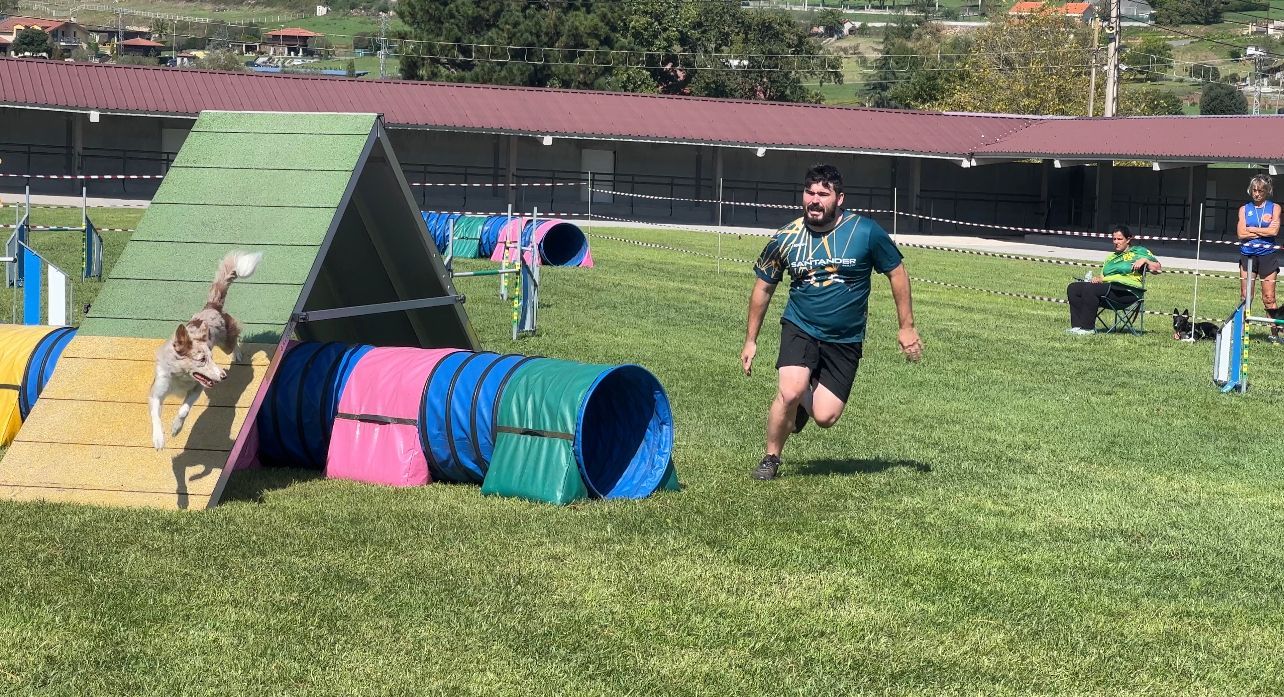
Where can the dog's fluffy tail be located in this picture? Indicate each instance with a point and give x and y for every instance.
(235, 265)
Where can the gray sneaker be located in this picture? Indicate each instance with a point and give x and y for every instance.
(767, 469)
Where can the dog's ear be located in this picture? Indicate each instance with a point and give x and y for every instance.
(182, 342)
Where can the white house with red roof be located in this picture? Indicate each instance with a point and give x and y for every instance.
(65, 35)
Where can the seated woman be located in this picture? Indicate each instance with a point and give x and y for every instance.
(1120, 281)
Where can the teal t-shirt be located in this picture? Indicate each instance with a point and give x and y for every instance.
(829, 272)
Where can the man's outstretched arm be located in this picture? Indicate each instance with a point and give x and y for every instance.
(907, 337)
(759, 299)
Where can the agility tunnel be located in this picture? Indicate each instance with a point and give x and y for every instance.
(28, 356)
(537, 428)
(560, 242)
(297, 416)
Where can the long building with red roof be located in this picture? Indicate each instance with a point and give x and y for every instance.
(1036, 170)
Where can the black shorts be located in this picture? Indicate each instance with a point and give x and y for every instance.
(1263, 265)
(832, 364)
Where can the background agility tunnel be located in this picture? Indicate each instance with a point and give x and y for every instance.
(560, 242)
(543, 429)
(28, 356)
(297, 416)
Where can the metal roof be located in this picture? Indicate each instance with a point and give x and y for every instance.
(292, 31)
(1158, 138)
(14, 21)
(639, 117)
(485, 108)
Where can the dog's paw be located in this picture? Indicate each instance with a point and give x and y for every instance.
(176, 427)
(158, 439)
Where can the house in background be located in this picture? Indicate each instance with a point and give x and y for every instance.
(1139, 10)
(141, 47)
(245, 48)
(65, 35)
(1079, 11)
(290, 42)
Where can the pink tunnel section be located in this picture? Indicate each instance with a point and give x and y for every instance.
(376, 434)
(512, 232)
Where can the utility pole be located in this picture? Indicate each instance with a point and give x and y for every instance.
(1255, 54)
(1092, 86)
(1114, 31)
(383, 44)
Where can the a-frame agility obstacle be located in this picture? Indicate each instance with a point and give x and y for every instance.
(346, 257)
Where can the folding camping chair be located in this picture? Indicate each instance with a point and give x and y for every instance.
(1124, 314)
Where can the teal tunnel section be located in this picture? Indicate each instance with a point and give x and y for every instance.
(567, 431)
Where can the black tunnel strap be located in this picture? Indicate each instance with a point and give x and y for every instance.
(377, 419)
(535, 432)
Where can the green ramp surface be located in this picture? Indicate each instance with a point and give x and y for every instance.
(322, 197)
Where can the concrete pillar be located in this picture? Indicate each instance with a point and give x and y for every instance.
(1045, 203)
(510, 179)
(915, 187)
(699, 173)
(494, 167)
(75, 143)
(1105, 192)
(1196, 193)
(717, 183)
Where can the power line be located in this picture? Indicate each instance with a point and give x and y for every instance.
(1175, 30)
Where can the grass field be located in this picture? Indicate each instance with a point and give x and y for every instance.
(1025, 512)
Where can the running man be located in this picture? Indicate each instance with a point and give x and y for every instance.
(829, 254)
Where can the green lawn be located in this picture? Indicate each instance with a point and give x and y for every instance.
(1025, 512)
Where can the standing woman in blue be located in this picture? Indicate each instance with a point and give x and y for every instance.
(1259, 223)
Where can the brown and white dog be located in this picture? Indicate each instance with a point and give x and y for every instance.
(185, 364)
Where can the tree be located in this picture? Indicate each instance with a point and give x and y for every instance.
(830, 19)
(1219, 98)
(221, 60)
(666, 46)
(1148, 102)
(894, 63)
(1188, 11)
(1032, 64)
(774, 56)
(160, 29)
(32, 42)
(8, 7)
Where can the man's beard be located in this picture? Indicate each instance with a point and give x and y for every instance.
(826, 217)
